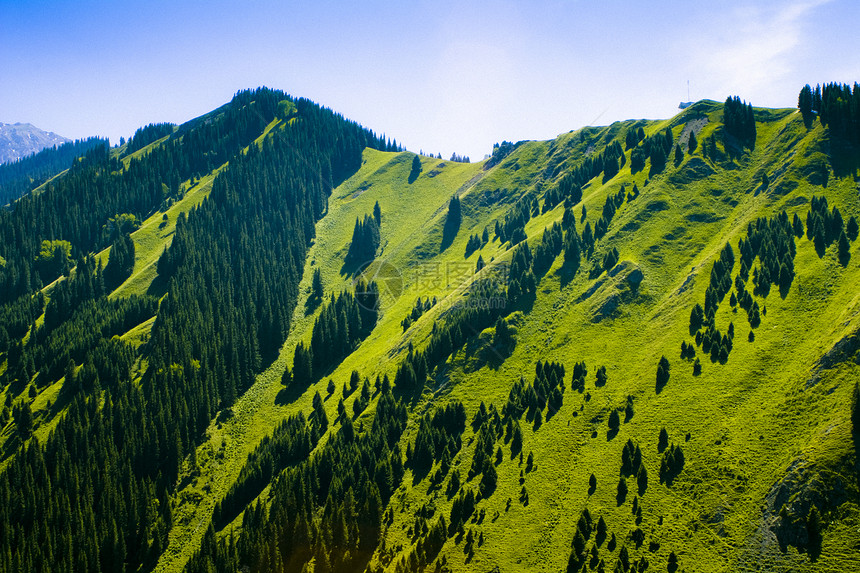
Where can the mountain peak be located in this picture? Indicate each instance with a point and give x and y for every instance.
(19, 140)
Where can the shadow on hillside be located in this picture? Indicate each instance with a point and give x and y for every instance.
(480, 352)
(158, 286)
(524, 303)
(566, 272)
(290, 394)
(844, 158)
(496, 354)
(784, 288)
(350, 268)
(621, 496)
(311, 304)
(418, 474)
(408, 396)
(449, 233)
(64, 398)
(11, 446)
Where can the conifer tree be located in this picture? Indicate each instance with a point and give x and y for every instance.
(614, 421)
(120, 261)
(672, 564)
(452, 222)
(416, 169)
(365, 241)
(377, 214)
(302, 365)
(502, 337)
(662, 373)
(804, 104)
(516, 440)
(621, 493)
(844, 249)
(642, 479)
(317, 289)
(658, 159)
(601, 377)
(23, 417)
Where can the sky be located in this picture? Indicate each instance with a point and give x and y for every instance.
(442, 77)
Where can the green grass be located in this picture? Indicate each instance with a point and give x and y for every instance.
(754, 406)
(748, 420)
(154, 234)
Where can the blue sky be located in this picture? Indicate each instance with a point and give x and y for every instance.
(439, 76)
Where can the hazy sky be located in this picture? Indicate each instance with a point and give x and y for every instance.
(439, 76)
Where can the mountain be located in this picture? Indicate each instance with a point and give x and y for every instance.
(272, 340)
(19, 140)
(27, 173)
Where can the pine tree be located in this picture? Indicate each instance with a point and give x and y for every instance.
(317, 289)
(377, 213)
(844, 249)
(416, 169)
(662, 373)
(658, 159)
(365, 241)
(621, 494)
(642, 479)
(23, 417)
(692, 143)
(601, 377)
(672, 564)
(70, 383)
(302, 369)
(679, 154)
(120, 261)
(697, 316)
(614, 421)
(452, 222)
(502, 337)
(804, 104)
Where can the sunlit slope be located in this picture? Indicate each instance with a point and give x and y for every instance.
(744, 425)
(409, 211)
(748, 420)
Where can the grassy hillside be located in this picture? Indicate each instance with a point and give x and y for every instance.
(745, 426)
(765, 431)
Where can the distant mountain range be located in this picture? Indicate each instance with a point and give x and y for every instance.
(19, 140)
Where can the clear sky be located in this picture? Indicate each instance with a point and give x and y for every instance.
(439, 76)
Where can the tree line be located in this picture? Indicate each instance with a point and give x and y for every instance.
(232, 271)
(27, 173)
(837, 106)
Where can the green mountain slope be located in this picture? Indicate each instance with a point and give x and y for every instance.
(758, 472)
(737, 422)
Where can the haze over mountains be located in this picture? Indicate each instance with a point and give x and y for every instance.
(19, 140)
(270, 339)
